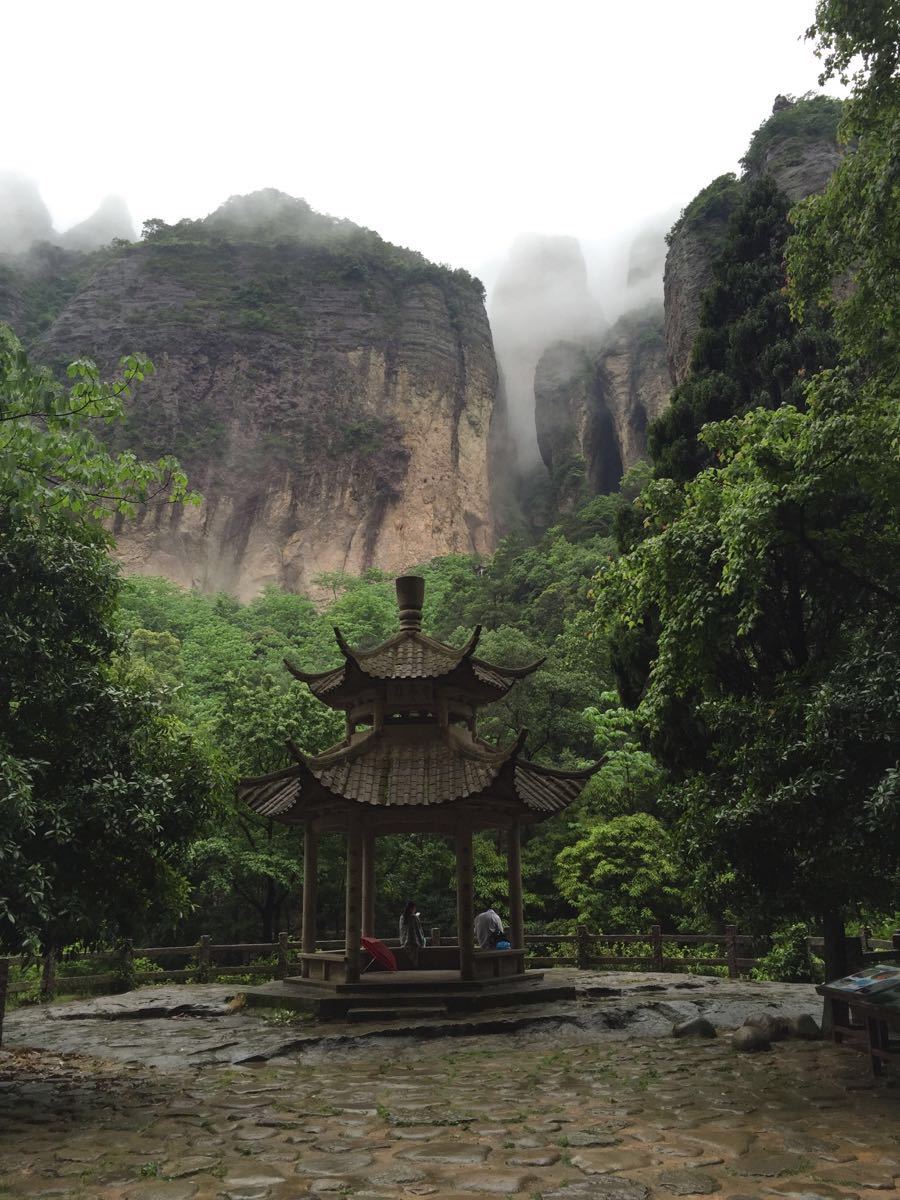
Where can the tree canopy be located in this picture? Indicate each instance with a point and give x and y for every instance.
(100, 784)
(764, 565)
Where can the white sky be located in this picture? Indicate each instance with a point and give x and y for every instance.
(447, 125)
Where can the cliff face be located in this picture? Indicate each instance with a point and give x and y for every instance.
(593, 404)
(797, 146)
(330, 396)
(694, 243)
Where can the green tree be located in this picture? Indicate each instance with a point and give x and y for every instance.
(244, 855)
(775, 580)
(844, 256)
(100, 784)
(50, 457)
(772, 574)
(630, 780)
(621, 875)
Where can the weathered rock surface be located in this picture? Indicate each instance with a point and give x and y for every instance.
(698, 1027)
(696, 239)
(801, 167)
(750, 1040)
(776, 1029)
(593, 405)
(330, 396)
(171, 1026)
(804, 1027)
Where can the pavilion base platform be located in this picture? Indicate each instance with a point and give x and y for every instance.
(407, 995)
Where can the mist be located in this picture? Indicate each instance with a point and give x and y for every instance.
(25, 220)
(465, 133)
(550, 288)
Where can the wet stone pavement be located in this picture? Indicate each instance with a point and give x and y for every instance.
(607, 1118)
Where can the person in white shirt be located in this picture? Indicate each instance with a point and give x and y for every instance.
(488, 929)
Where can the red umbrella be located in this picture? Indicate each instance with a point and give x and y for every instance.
(380, 952)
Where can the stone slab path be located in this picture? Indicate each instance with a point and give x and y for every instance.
(562, 1114)
(169, 1026)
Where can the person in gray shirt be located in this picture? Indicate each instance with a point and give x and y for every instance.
(488, 929)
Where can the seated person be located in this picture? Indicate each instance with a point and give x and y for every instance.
(412, 935)
(488, 929)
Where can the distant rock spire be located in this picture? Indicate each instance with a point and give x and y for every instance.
(24, 217)
(112, 219)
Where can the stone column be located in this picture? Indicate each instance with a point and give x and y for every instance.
(465, 902)
(310, 882)
(368, 883)
(353, 909)
(514, 874)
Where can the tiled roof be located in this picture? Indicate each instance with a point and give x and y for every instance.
(548, 791)
(386, 771)
(409, 654)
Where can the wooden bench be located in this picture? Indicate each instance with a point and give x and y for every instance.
(862, 1025)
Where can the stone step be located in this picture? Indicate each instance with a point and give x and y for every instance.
(403, 1012)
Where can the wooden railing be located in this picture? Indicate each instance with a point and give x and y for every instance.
(863, 950)
(662, 950)
(203, 959)
(655, 949)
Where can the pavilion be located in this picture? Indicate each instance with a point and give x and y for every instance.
(412, 761)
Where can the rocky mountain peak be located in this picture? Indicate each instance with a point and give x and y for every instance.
(330, 395)
(112, 219)
(24, 217)
(797, 145)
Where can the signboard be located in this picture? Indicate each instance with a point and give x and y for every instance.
(878, 984)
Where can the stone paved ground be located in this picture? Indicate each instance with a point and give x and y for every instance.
(207, 1031)
(602, 1118)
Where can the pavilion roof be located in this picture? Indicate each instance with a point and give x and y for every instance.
(407, 768)
(410, 655)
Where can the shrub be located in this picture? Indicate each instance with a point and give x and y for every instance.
(790, 959)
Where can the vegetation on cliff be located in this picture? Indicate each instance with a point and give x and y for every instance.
(748, 352)
(809, 119)
(344, 250)
(713, 203)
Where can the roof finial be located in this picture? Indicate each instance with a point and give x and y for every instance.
(410, 595)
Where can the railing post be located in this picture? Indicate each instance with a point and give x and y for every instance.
(855, 948)
(731, 951)
(125, 966)
(282, 954)
(435, 935)
(657, 948)
(48, 976)
(204, 958)
(583, 948)
(4, 984)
